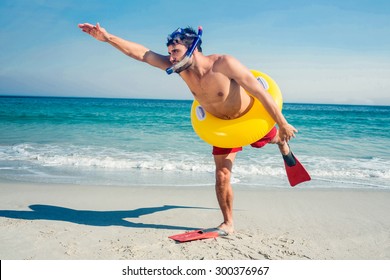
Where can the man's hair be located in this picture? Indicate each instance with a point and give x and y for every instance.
(185, 36)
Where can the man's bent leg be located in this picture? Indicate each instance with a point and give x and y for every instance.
(223, 188)
(283, 146)
(273, 138)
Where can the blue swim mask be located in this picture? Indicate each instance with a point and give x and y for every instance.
(180, 34)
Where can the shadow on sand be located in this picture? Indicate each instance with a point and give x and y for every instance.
(95, 218)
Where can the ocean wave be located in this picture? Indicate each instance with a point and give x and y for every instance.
(40, 158)
(106, 158)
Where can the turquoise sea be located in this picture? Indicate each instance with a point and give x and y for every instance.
(137, 142)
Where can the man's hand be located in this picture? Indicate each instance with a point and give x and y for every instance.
(286, 132)
(99, 33)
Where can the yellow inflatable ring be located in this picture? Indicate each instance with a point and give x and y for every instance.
(242, 131)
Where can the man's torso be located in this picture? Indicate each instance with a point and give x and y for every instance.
(218, 94)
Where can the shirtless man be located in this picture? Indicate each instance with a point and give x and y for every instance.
(219, 83)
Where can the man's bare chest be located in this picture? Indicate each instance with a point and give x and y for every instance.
(211, 88)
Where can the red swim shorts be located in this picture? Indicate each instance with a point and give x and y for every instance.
(258, 144)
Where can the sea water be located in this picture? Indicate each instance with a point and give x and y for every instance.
(139, 142)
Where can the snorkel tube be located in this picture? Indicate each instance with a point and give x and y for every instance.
(188, 54)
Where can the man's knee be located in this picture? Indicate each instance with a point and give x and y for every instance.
(222, 177)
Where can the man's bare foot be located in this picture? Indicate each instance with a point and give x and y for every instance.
(228, 228)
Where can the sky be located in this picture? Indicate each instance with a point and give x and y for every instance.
(334, 52)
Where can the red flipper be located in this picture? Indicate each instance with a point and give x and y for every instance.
(296, 173)
(198, 234)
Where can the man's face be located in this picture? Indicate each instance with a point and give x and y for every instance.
(176, 53)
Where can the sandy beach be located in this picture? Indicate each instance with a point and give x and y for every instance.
(61, 222)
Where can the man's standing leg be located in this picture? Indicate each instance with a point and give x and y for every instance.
(223, 188)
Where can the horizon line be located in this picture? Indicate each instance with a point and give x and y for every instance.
(168, 99)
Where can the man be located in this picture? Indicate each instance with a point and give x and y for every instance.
(219, 83)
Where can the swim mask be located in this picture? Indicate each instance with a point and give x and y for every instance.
(179, 35)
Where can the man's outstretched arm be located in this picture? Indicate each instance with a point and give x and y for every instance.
(132, 49)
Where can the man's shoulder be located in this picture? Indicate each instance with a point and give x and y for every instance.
(224, 61)
(221, 58)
